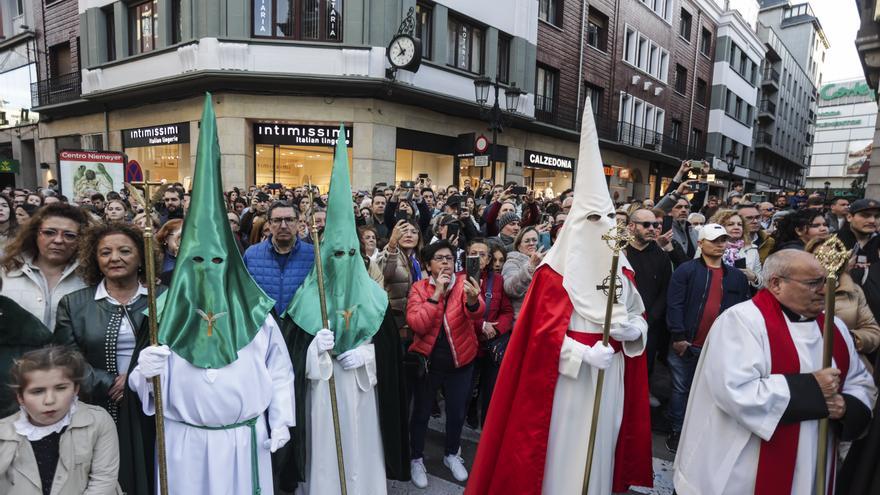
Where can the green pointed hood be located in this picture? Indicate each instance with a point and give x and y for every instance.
(210, 280)
(356, 304)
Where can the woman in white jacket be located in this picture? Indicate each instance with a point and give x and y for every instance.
(740, 252)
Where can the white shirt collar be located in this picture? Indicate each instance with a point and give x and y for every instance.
(25, 428)
(101, 293)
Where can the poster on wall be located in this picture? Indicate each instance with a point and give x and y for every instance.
(858, 156)
(84, 173)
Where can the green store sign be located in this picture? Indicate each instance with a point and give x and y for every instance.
(833, 91)
(839, 123)
(9, 165)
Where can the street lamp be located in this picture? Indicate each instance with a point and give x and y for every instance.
(827, 186)
(495, 116)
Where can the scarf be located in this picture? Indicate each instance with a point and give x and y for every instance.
(732, 251)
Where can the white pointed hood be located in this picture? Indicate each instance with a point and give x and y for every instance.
(579, 253)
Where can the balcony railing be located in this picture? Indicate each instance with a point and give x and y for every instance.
(767, 106)
(770, 75)
(765, 138)
(56, 90)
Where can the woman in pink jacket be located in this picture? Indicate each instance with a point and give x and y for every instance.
(441, 311)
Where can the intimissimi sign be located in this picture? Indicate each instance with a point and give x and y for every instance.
(300, 134)
(157, 135)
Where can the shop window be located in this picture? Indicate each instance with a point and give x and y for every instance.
(706, 42)
(547, 82)
(143, 24)
(465, 45)
(425, 28)
(503, 58)
(702, 92)
(312, 20)
(294, 166)
(597, 30)
(110, 31)
(412, 163)
(681, 75)
(548, 11)
(170, 162)
(684, 25)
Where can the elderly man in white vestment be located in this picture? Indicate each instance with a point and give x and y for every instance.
(752, 419)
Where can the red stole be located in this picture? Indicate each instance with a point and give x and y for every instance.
(778, 456)
(512, 452)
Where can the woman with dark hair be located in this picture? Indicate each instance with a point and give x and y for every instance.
(441, 311)
(168, 239)
(369, 236)
(498, 256)
(8, 222)
(24, 212)
(106, 323)
(795, 230)
(39, 266)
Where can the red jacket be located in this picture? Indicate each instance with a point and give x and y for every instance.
(424, 317)
(500, 308)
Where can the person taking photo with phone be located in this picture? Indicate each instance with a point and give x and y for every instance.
(520, 266)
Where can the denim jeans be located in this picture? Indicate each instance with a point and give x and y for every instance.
(682, 369)
(456, 383)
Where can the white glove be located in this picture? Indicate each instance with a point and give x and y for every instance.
(625, 332)
(351, 359)
(278, 438)
(153, 359)
(598, 356)
(325, 340)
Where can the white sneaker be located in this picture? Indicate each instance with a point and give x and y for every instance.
(418, 473)
(456, 464)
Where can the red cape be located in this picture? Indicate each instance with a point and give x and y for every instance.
(513, 446)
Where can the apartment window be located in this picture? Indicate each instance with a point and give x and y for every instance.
(312, 20)
(503, 58)
(675, 130)
(425, 28)
(176, 22)
(644, 47)
(664, 65)
(729, 101)
(464, 46)
(143, 24)
(684, 26)
(744, 65)
(110, 31)
(548, 11)
(630, 44)
(696, 138)
(597, 30)
(702, 92)
(645, 54)
(706, 42)
(731, 57)
(60, 60)
(19, 8)
(681, 75)
(596, 94)
(737, 111)
(662, 8)
(546, 84)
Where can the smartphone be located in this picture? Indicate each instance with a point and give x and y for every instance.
(400, 215)
(667, 224)
(740, 263)
(452, 230)
(423, 176)
(702, 186)
(407, 184)
(472, 267)
(519, 190)
(544, 240)
(381, 184)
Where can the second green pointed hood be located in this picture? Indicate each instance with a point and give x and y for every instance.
(356, 304)
(214, 307)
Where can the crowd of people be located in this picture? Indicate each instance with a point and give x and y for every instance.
(456, 264)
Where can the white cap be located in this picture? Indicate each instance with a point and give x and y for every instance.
(712, 231)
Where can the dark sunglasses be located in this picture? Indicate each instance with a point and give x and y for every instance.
(648, 225)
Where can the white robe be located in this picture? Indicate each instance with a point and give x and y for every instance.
(735, 403)
(573, 408)
(218, 462)
(358, 422)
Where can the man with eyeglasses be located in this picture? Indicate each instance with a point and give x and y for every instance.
(760, 389)
(699, 291)
(767, 210)
(760, 238)
(41, 265)
(281, 263)
(653, 269)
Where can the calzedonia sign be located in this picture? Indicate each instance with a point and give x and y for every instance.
(157, 135)
(538, 159)
(300, 134)
(834, 91)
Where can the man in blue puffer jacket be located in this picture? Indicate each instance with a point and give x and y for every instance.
(280, 263)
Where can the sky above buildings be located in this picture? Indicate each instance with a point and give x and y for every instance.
(840, 21)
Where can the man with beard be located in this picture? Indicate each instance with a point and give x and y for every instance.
(173, 201)
(259, 207)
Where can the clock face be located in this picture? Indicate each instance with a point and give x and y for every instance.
(401, 51)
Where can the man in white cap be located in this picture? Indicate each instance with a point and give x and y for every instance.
(760, 389)
(537, 430)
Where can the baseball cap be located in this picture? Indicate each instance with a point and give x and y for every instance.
(863, 204)
(712, 231)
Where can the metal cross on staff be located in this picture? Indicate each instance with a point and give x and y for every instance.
(154, 329)
(616, 238)
(832, 255)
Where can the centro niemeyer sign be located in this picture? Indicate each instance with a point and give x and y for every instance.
(834, 91)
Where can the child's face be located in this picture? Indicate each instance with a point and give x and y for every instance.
(47, 396)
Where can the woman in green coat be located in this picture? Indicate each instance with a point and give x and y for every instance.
(106, 323)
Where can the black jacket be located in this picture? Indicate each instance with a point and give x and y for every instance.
(687, 295)
(653, 271)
